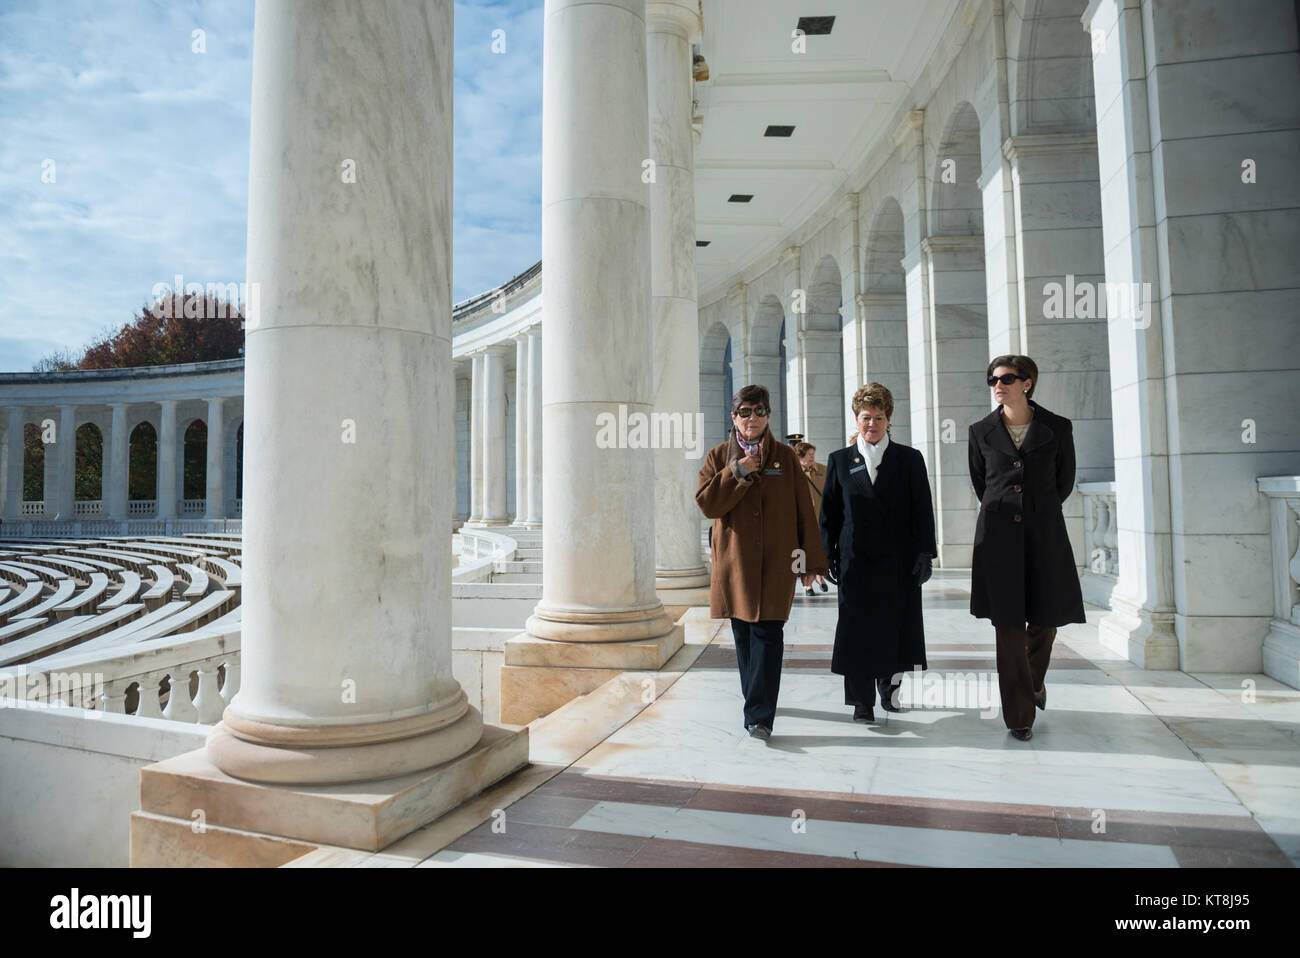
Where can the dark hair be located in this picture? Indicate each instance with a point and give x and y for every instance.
(751, 394)
(1021, 364)
(801, 448)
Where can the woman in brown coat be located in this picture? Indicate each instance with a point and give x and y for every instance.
(816, 474)
(764, 537)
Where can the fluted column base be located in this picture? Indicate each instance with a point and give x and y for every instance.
(673, 579)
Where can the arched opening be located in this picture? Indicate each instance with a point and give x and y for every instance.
(715, 383)
(33, 467)
(89, 476)
(768, 361)
(826, 424)
(142, 468)
(195, 484)
(884, 316)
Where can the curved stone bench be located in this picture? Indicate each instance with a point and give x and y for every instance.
(47, 574)
(62, 635)
(79, 570)
(86, 601)
(131, 585)
(26, 598)
(226, 572)
(62, 593)
(19, 628)
(163, 582)
(196, 579)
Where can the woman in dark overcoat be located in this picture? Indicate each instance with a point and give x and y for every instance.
(1023, 576)
(877, 526)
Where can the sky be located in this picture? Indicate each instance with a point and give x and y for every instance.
(124, 157)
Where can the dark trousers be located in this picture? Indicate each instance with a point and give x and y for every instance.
(1023, 656)
(861, 689)
(759, 647)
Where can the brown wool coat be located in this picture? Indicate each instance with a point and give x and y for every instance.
(758, 523)
(816, 480)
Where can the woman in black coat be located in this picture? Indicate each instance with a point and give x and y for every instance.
(1023, 576)
(877, 526)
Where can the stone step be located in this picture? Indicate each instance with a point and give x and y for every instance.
(526, 565)
(533, 577)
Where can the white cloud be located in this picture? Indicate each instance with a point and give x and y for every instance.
(150, 146)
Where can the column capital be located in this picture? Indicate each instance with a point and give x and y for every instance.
(168, 403)
(676, 16)
(497, 349)
(847, 206)
(880, 299)
(789, 255)
(910, 128)
(938, 245)
(1016, 147)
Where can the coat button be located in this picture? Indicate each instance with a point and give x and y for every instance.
(1016, 488)
(755, 512)
(1016, 517)
(1016, 464)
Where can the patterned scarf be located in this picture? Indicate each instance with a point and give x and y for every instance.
(750, 448)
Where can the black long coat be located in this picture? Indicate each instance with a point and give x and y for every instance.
(874, 533)
(1022, 570)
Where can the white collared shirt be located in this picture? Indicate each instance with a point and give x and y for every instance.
(872, 455)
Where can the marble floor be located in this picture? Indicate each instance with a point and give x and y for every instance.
(1126, 768)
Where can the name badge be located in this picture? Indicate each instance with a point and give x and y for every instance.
(858, 469)
(772, 471)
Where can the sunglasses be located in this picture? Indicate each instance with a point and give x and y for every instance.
(744, 412)
(1006, 379)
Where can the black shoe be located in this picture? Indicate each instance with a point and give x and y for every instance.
(825, 587)
(809, 592)
(887, 695)
(759, 731)
(1024, 734)
(1040, 698)
(864, 713)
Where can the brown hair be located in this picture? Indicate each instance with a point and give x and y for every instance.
(751, 394)
(1022, 365)
(873, 394)
(801, 448)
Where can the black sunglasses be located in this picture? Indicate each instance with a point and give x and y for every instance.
(744, 412)
(1006, 378)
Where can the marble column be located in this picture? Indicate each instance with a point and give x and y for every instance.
(535, 444)
(117, 490)
(795, 306)
(1201, 243)
(476, 440)
(167, 460)
(884, 331)
(671, 27)
(494, 436)
(216, 492)
(957, 338)
(15, 452)
(346, 668)
(598, 577)
(65, 466)
(521, 430)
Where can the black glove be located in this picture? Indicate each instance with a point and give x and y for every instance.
(834, 574)
(921, 570)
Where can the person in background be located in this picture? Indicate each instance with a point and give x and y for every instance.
(816, 474)
(1023, 577)
(764, 537)
(877, 528)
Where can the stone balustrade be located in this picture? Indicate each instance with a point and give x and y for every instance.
(1100, 541)
(1282, 645)
(53, 528)
(134, 681)
(479, 551)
